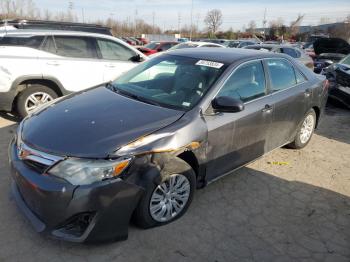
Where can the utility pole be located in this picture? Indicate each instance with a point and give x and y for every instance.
(153, 17)
(179, 23)
(191, 31)
(264, 24)
(198, 18)
(82, 14)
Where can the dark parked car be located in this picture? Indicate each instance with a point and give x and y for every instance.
(171, 125)
(156, 47)
(329, 51)
(339, 77)
(286, 49)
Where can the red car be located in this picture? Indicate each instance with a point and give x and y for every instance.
(156, 47)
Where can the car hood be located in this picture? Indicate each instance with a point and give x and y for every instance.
(331, 45)
(93, 124)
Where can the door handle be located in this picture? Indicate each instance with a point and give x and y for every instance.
(267, 109)
(53, 63)
(307, 92)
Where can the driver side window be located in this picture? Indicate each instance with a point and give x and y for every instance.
(246, 83)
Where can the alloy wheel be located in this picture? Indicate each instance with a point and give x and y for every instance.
(170, 198)
(35, 100)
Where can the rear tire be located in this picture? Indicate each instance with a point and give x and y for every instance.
(305, 131)
(32, 97)
(153, 198)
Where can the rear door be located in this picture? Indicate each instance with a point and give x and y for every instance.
(76, 65)
(116, 58)
(235, 139)
(288, 88)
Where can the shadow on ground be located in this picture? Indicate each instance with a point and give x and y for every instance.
(246, 216)
(335, 124)
(9, 116)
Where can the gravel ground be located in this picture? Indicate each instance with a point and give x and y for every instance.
(297, 211)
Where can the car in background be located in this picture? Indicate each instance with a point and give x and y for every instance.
(338, 75)
(183, 40)
(240, 43)
(286, 49)
(129, 40)
(56, 25)
(39, 66)
(329, 51)
(155, 47)
(194, 45)
(215, 41)
(137, 42)
(141, 145)
(143, 40)
(190, 45)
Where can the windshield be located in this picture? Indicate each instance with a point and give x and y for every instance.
(152, 45)
(182, 46)
(345, 60)
(170, 81)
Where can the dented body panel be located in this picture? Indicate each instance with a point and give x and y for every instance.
(101, 124)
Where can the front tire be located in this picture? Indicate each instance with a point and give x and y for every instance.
(168, 201)
(32, 97)
(305, 131)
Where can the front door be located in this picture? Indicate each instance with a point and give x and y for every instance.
(235, 139)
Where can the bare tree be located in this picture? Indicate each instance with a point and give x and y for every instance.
(252, 26)
(213, 20)
(294, 25)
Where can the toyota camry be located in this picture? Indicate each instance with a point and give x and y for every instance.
(137, 148)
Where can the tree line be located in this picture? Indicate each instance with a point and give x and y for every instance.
(276, 29)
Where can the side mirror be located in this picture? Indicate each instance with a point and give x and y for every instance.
(136, 58)
(227, 104)
(159, 50)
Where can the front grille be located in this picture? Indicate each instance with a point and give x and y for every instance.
(36, 166)
(35, 159)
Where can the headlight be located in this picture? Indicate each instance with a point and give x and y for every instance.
(84, 172)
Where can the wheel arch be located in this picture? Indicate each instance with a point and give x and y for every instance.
(22, 83)
(318, 113)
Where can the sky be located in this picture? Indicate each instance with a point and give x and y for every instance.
(236, 14)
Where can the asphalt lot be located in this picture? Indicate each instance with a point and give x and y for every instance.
(297, 211)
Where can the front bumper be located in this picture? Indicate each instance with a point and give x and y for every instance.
(55, 207)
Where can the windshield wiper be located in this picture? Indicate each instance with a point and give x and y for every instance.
(120, 91)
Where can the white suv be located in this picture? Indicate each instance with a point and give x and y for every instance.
(38, 66)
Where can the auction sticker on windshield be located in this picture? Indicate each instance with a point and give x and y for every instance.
(209, 64)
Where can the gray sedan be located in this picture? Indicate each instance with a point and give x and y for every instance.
(141, 145)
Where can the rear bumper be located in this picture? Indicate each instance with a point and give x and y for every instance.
(94, 213)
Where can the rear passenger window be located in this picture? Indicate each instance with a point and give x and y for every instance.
(281, 74)
(246, 83)
(34, 41)
(78, 47)
(114, 51)
(291, 52)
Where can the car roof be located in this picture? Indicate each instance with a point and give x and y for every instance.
(223, 55)
(27, 32)
(202, 43)
(273, 45)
